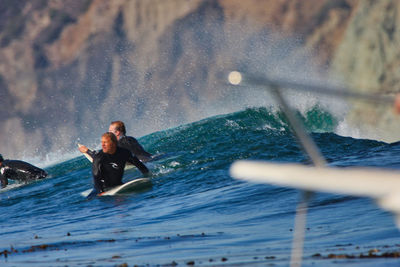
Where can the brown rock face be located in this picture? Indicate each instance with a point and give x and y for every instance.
(367, 58)
(68, 68)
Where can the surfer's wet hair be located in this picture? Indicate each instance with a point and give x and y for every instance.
(1, 158)
(119, 126)
(112, 137)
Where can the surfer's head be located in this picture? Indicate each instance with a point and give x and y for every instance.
(117, 128)
(1, 158)
(109, 143)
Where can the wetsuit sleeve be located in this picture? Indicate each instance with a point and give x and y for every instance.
(91, 153)
(135, 161)
(5, 174)
(3, 179)
(133, 145)
(98, 180)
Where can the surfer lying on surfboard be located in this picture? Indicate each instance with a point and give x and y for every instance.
(19, 170)
(109, 163)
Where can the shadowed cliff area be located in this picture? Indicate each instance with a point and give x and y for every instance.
(69, 68)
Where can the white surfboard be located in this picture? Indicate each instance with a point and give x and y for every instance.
(134, 185)
(128, 187)
(382, 185)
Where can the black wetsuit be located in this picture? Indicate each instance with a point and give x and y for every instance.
(19, 170)
(130, 143)
(108, 169)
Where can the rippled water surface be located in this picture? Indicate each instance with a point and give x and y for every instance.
(195, 213)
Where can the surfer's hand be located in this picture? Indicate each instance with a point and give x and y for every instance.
(83, 149)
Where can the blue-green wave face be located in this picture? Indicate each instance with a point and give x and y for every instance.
(319, 120)
(251, 120)
(252, 133)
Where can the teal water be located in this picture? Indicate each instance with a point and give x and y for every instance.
(195, 213)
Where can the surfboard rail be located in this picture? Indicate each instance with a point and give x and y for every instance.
(133, 185)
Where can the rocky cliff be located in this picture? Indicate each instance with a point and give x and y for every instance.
(67, 68)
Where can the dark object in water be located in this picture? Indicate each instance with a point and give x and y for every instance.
(20, 171)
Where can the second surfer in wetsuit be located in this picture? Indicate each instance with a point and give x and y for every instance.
(19, 170)
(128, 142)
(109, 163)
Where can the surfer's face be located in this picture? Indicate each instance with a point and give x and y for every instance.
(107, 145)
(112, 129)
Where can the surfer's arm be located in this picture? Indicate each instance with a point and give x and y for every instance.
(135, 161)
(133, 145)
(3, 179)
(7, 173)
(84, 149)
(91, 153)
(138, 149)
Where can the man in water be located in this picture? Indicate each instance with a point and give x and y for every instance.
(19, 170)
(109, 163)
(128, 142)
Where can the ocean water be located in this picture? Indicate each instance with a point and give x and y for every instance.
(195, 213)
